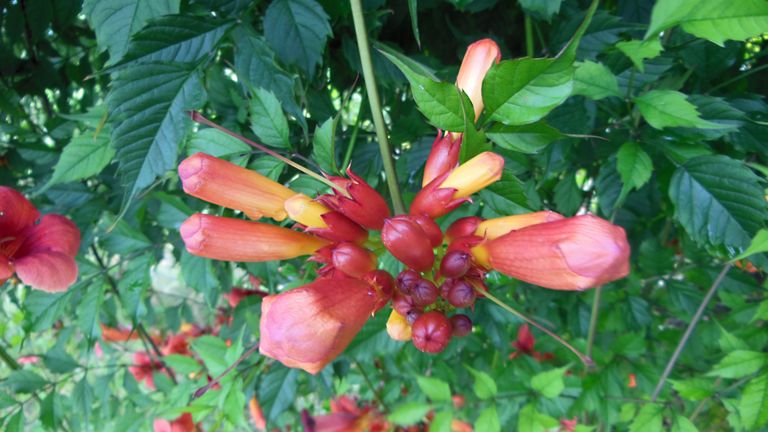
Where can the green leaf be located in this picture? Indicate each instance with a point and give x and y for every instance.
(182, 364)
(637, 51)
(413, 8)
(441, 422)
(148, 104)
(59, 361)
(24, 381)
(523, 91)
(759, 244)
(668, 108)
(530, 420)
(488, 421)
(528, 139)
(595, 81)
(87, 311)
(738, 364)
(211, 350)
(409, 413)
(51, 411)
(729, 342)
(176, 38)
(216, 143)
(511, 190)
(85, 156)
(436, 389)
(440, 102)
(715, 20)
(634, 166)
(484, 386)
(297, 30)
(648, 419)
(277, 390)
(753, 405)
(200, 274)
(323, 146)
(115, 21)
(682, 424)
(267, 119)
(718, 200)
(694, 389)
(549, 383)
(16, 423)
(268, 167)
(544, 9)
(43, 309)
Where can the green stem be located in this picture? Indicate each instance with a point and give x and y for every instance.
(353, 138)
(528, 36)
(584, 358)
(689, 331)
(8, 359)
(593, 320)
(202, 390)
(737, 78)
(376, 113)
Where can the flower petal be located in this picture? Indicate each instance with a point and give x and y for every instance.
(54, 233)
(16, 212)
(48, 270)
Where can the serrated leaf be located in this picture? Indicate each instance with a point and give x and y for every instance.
(530, 420)
(297, 30)
(544, 9)
(24, 381)
(440, 102)
(85, 156)
(323, 146)
(484, 386)
(753, 405)
(694, 389)
(277, 390)
(522, 91)
(211, 350)
(595, 81)
(682, 424)
(738, 364)
(648, 419)
(529, 139)
(149, 104)
(216, 143)
(718, 200)
(637, 50)
(408, 413)
(634, 166)
(268, 167)
(43, 308)
(441, 422)
(87, 311)
(488, 421)
(115, 21)
(510, 188)
(436, 389)
(200, 274)
(175, 38)
(759, 244)
(668, 108)
(549, 383)
(267, 119)
(715, 20)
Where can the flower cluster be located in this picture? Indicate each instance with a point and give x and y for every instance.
(39, 250)
(309, 326)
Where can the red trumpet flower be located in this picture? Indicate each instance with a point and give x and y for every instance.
(183, 423)
(567, 254)
(309, 326)
(41, 251)
(480, 56)
(364, 205)
(443, 157)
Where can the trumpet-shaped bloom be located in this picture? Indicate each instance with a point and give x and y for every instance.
(230, 239)
(493, 228)
(567, 254)
(340, 228)
(226, 184)
(479, 57)
(345, 416)
(408, 242)
(449, 190)
(309, 326)
(183, 423)
(364, 205)
(306, 211)
(42, 254)
(443, 157)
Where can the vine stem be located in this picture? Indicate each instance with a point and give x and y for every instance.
(529, 50)
(593, 320)
(689, 331)
(8, 359)
(375, 104)
(199, 118)
(202, 390)
(584, 358)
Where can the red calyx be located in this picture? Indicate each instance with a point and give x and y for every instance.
(431, 332)
(340, 229)
(430, 228)
(382, 286)
(434, 201)
(408, 243)
(364, 206)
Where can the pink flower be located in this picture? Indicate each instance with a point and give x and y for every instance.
(183, 423)
(41, 253)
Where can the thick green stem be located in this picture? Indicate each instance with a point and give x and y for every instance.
(374, 102)
(584, 358)
(8, 359)
(528, 36)
(593, 321)
(689, 331)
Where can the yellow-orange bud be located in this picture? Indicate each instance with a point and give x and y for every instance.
(492, 228)
(480, 56)
(474, 175)
(306, 211)
(226, 184)
(398, 327)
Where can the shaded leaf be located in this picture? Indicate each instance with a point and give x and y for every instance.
(667, 108)
(267, 119)
(297, 30)
(595, 81)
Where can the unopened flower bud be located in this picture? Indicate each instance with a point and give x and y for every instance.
(431, 332)
(353, 260)
(408, 243)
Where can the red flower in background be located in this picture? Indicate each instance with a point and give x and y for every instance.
(183, 423)
(144, 366)
(525, 345)
(346, 416)
(40, 251)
